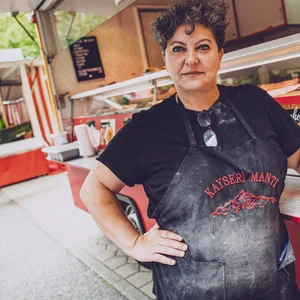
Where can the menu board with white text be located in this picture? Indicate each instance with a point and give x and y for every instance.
(86, 59)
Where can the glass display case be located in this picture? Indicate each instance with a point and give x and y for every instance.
(271, 62)
(274, 66)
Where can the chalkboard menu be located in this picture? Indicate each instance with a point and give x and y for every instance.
(86, 59)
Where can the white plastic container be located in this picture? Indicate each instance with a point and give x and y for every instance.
(62, 152)
(59, 138)
(85, 146)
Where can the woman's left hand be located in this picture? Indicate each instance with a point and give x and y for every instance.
(152, 246)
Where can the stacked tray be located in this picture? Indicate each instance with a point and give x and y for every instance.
(63, 152)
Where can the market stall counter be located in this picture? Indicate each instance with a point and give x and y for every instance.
(273, 65)
(26, 157)
(134, 201)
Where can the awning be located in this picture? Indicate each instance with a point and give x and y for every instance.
(101, 7)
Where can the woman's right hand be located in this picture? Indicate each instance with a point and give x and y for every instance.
(152, 246)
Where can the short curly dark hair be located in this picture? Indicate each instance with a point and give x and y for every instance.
(212, 14)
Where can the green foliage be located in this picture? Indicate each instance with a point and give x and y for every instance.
(83, 24)
(13, 35)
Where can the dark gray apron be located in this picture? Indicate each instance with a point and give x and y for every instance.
(225, 204)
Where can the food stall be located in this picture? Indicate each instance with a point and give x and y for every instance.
(255, 65)
(24, 128)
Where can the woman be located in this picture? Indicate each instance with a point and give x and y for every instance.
(212, 160)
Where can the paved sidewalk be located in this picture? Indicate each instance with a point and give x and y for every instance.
(34, 267)
(49, 201)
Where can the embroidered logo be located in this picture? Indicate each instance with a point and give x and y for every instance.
(242, 201)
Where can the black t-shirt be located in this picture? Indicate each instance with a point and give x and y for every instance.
(150, 148)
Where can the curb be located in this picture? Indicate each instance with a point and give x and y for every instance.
(110, 277)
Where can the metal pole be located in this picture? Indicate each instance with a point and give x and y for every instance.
(47, 74)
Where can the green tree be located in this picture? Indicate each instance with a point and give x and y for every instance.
(82, 24)
(13, 35)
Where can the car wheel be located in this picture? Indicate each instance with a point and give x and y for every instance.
(132, 216)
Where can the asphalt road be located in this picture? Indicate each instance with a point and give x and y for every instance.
(35, 267)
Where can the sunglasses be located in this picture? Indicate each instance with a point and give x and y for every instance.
(209, 136)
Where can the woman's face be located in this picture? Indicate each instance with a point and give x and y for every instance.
(194, 60)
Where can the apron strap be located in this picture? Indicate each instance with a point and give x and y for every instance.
(186, 121)
(239, 115)
(188, 126)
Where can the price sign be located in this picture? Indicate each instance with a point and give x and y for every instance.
(86, 59)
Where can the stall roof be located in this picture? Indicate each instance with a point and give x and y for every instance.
(103, 7)
(11, 55)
